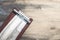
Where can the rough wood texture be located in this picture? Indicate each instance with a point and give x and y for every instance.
(46, 16)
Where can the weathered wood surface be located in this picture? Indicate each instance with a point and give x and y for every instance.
(46, 18)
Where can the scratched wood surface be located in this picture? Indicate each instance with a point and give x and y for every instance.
(46, 18)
